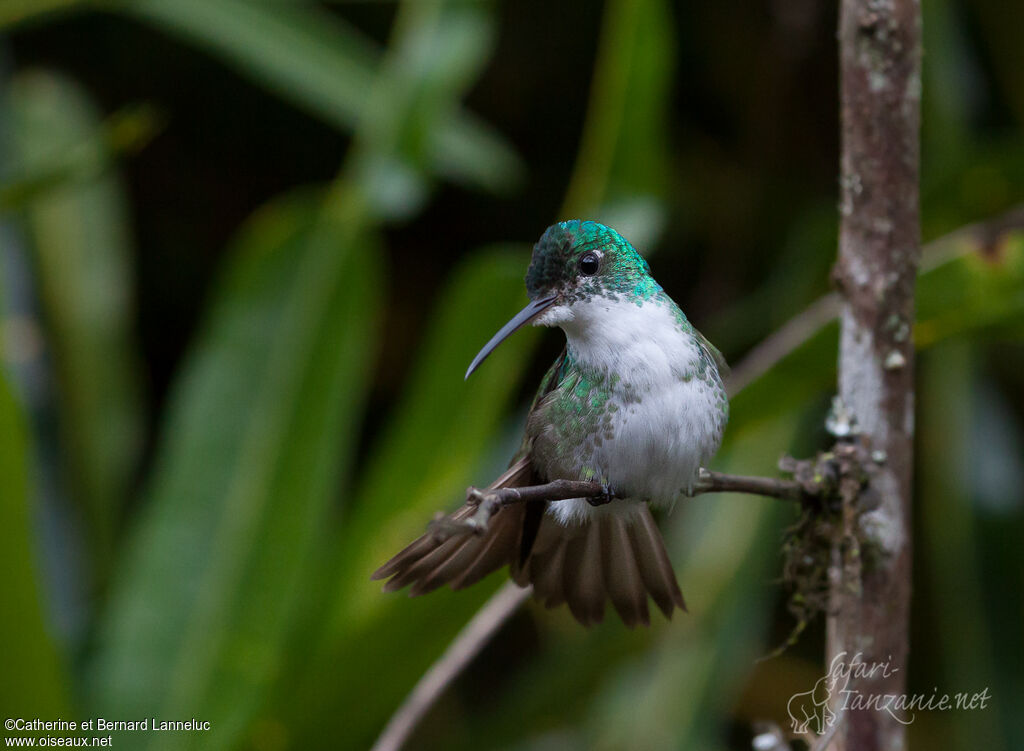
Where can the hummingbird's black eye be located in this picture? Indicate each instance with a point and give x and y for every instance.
(590, 263)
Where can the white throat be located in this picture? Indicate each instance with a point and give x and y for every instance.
(643, 344)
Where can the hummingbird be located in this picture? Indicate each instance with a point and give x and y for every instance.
(635, 401)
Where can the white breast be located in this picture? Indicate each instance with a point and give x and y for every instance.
(667, 426)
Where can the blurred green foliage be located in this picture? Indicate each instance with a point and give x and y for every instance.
(221, 538)
(34, 669)
(81, 253)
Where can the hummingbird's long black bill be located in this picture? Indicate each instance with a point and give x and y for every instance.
(524, 316)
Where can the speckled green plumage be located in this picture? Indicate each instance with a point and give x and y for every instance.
(635, 402)
(575, 409)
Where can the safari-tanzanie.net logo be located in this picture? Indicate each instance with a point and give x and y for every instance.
(818, 709)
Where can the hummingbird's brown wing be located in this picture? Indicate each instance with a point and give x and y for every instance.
(714, 353)
(463, 559)
(428, 563)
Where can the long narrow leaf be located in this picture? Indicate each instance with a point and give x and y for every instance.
(317, 62)
(439, 434)
(34, 682)
(260, 431)
(621, 168)
(79, 238)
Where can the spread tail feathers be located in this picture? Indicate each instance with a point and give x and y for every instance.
(614, 556)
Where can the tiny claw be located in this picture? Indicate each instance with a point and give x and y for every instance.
(474, 496)
(607, 496)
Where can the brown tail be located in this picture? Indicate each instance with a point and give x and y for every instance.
(611, 557)
(615, 557)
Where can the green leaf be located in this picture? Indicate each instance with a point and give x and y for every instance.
(437, 52)
(261, 429)
(965, 290)
(432, 447)
(34, 681)
(977, 289)
(74, 162)
(81, 252)
(314, 60)
(441, 428)
(623, 158)
(951, 539)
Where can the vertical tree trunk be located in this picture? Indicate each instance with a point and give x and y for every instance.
(880, 84)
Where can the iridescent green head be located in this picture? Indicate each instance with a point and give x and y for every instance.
(575, 261)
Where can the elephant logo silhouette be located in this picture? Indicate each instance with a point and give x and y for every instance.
(810, 710)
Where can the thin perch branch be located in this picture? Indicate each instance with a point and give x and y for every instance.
(489, 501)
(771, 487)
(979, 237)
(480, 629)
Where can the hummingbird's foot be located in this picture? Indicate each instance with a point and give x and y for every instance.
(607, 496)
(475, 496)
(485, 503)
(444, 527)
(482, 504)
(698, 484)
